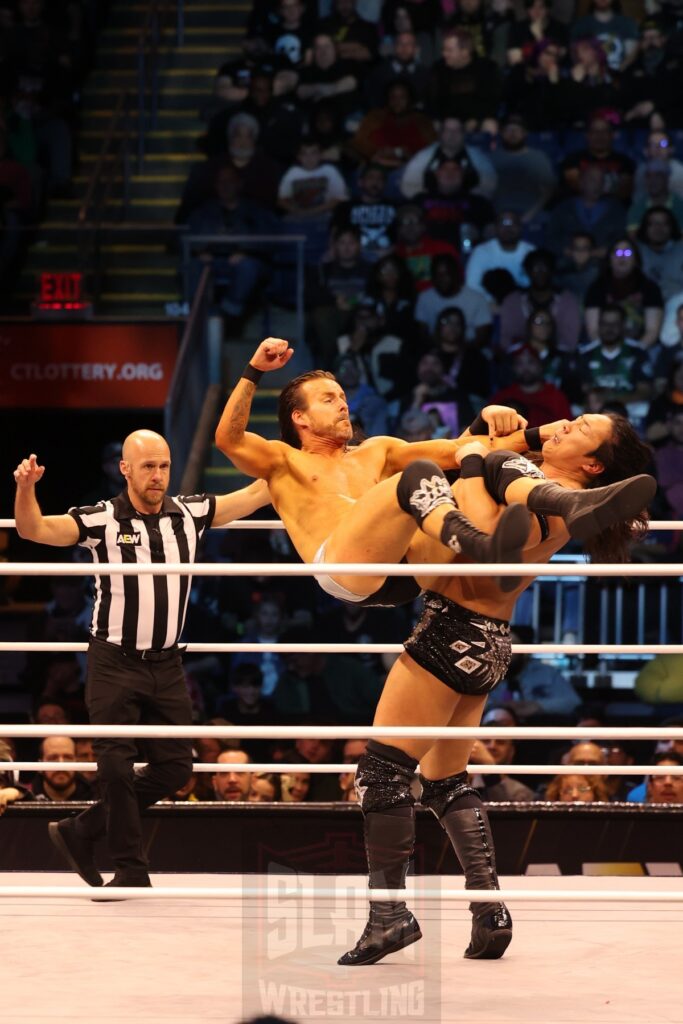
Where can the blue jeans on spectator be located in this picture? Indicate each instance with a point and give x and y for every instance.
(234, 283)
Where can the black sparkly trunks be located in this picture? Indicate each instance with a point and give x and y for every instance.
(467, 651)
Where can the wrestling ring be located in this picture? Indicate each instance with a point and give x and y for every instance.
(222, 948)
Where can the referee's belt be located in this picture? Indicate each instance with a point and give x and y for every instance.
(144, 655)
(151, 655)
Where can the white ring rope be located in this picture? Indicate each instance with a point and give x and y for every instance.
(277, 524)
(280, 768)
(346, 732)
(577, 569)
(277, 893)
(264, 648)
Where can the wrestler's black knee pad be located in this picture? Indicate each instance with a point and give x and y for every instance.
(422, 488)
(503, 468)
(384, 778)
(440, 795)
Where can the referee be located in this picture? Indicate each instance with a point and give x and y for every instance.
(135, 671)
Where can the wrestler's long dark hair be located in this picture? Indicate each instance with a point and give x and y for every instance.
(623, 455)
(290, 399)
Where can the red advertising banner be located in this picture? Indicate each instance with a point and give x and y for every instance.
(86, 365)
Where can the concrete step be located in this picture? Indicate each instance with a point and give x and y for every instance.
(185, 99)
(158, 141)
(122, 35)
(189, 57)
(195, 14)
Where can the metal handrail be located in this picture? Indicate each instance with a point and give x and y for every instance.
(118, 127)
(197, 369)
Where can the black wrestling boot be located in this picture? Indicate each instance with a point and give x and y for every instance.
(469, 831)
(588, 512)
(389, 840)
(505, 544)
(77, 851)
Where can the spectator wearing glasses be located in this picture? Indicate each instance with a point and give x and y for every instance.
(622, 282)
(541, 296)
(657, 179)
(660, 147)
(577, 789)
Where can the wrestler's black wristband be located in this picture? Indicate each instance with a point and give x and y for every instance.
(251, 373)
(479, 426)
(532, 436)
(472, 465)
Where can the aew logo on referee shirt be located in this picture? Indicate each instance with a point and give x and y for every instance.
(128, 538)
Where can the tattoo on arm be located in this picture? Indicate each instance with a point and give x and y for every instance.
(240, 408)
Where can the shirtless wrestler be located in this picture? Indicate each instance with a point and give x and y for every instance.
(457, 653)
(362, 504)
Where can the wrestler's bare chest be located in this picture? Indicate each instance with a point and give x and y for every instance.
(312, 492)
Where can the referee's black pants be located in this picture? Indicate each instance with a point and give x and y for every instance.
(124, 690)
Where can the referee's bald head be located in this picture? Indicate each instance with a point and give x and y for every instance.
(143, 443)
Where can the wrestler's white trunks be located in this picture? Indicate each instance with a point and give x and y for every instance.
(327, 584)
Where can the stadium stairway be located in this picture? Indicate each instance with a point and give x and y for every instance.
(140, 276)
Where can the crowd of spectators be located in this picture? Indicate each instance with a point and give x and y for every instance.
(45, 51)
(234, 782)
(490, 197)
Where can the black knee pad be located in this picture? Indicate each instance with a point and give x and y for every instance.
(440, 795)
(384, 778)
(422, 488)
(502, 468)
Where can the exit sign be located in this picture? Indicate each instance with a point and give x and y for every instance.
(62, 290)
(61, 293)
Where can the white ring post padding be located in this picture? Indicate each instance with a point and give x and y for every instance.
(335, 769)
(260, 648)
(346, 732)
(577, 569)
(280, 892)
(277, 524)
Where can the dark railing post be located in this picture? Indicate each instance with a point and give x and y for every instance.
(300, 290)
(141, 105)
(180, 23)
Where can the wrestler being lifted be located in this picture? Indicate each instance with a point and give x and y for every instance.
(460, 650)
(361, 504)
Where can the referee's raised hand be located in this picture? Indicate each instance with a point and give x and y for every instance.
(271, 354)
(28, 472)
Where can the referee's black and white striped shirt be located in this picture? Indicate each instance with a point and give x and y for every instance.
(142, 612)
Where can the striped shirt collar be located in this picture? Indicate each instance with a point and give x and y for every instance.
(124, 509)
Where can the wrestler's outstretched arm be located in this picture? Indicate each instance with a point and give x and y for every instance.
(505, 430)
(241, 503)
(252, 453)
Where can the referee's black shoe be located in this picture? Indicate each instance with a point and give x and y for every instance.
(77, 851)
(132, 880)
